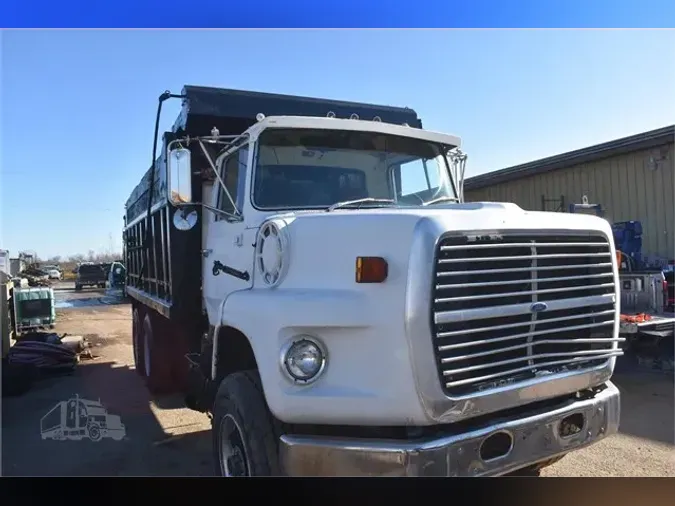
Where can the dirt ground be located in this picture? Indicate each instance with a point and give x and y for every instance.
(165, 439)
(162, 438)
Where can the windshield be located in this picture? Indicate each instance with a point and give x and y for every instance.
(301, 168)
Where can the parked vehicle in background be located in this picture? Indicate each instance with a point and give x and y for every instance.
(117, 276)
(647, 321)
(314, 281)
(54, 274)
(90, 275)
(669, 274)
(644, 291)
(106, 268)
(35, 273)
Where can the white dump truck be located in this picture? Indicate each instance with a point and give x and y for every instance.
(308, 273)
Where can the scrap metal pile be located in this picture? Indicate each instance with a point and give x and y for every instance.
(35, 276)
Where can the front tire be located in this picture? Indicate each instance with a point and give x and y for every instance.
(245, 434)
(530, 472)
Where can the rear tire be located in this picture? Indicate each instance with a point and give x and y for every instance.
(156, 362)
(137, 341)
(244, 432)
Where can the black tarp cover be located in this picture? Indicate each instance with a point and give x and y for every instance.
(241, 107)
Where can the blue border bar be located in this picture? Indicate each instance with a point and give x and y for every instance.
(340, 14)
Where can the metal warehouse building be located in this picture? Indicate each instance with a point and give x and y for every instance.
(631, 178)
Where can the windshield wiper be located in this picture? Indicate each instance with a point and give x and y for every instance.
(360, 202)
(441, 199)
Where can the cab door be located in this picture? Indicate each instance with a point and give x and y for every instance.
(228, 253)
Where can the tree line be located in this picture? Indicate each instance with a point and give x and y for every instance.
(90, 256)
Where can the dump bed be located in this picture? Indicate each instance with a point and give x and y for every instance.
(171, 263)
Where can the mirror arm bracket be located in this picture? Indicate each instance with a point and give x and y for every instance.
(214, 210)
(215, 171)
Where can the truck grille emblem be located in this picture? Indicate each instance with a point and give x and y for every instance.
(538, 307)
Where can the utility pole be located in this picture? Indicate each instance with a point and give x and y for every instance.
(110, 246)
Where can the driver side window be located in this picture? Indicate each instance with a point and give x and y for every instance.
(233, 174)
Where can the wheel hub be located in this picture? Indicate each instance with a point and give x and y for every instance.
(233, 459)
(236, 464)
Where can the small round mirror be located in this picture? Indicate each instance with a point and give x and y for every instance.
(184, 219)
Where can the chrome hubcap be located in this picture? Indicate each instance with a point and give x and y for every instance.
(233, 459)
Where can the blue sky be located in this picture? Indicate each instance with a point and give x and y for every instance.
(77, 107)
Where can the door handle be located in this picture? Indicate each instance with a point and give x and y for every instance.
(206, 252)
(219, 267)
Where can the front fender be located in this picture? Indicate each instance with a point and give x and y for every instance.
(368, 378)
(297, 308)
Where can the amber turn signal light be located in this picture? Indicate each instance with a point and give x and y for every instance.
(371, 269)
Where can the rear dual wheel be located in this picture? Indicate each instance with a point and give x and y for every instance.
(159, 356)
(156, 359)
(137, 340)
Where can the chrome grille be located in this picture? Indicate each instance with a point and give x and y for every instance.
(508, 308)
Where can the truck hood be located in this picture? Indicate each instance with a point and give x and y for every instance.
(469, 216)
(323, 246)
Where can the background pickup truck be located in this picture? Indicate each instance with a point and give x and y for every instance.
(90, 275)
(670, 279)
(647, 320)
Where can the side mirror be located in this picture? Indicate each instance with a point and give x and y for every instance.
(179, 168)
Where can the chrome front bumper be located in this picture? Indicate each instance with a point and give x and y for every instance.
(534, 438)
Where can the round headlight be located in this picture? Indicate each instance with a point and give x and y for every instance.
(304, 360)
